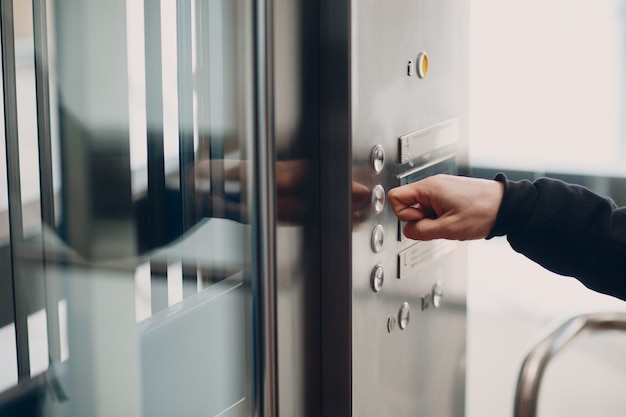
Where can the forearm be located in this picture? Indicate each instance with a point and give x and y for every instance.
(568, 230)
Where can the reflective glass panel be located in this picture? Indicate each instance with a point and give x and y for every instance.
(133, 270)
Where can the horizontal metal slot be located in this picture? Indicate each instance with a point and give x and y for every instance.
(416, 144)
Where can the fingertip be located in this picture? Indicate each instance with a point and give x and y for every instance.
(406, 231)
(410, 231)
(410, 214)
(398, 193)
(391, 195)
(420, 230)
(394, 190)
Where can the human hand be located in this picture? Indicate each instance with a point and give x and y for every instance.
(447, 207)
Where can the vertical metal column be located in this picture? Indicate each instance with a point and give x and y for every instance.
(157, 216)
(211, 112)
(201, 84)
(264, 234)
(40, 33)
(154, 123)
(185, 112)
(335, 217)
(186, 155)
(14, 187)
(46, 187)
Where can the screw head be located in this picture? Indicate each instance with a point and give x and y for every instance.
(437, 295)
(404, 315)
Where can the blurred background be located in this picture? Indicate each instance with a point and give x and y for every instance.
(547, 98)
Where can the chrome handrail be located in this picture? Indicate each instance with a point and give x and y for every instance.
(536, 361)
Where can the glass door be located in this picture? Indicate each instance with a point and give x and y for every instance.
(135, 219)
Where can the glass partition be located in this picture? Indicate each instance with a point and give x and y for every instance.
(128, 218)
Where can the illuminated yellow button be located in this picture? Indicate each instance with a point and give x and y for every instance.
(422, 64)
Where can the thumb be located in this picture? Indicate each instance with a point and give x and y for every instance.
(425, 229)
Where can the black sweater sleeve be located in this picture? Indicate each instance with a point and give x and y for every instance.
(567, 229)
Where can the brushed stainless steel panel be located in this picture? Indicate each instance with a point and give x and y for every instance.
(418, 370)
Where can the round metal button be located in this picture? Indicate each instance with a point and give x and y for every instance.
(422, 64)
(378, 237)
(436, 295)
(378, 158)
(378, 199)
(404, 315)
(377, 278)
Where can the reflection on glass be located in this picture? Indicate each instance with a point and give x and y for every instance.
(198, 245)
(145, 261)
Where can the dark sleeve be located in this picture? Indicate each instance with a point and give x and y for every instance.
(567, 229)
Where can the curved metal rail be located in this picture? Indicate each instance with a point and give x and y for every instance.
(533, 367)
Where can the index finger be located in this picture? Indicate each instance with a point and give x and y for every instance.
(408, 203)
